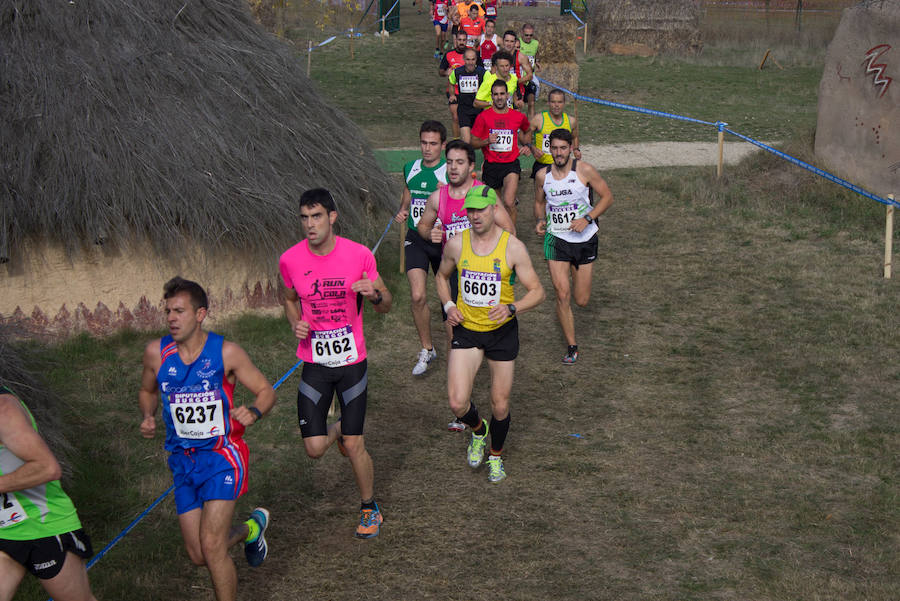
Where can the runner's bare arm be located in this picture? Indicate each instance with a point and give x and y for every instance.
(148, 395)
(576, 147)
(593, 179)
(429, 216)
(405, 200)
(299, 327)
(372, 291)
(239, 366)
(450, 257)
(518, 259)
(537, 122)
(503, 219)
(16, 434)
(540, 203)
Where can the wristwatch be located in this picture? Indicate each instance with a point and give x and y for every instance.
(589, 219)
(512, 309)
(378, 297)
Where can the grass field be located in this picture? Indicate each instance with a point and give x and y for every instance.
(729, 433)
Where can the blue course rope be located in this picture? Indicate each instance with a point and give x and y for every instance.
(159, 499)
(383, 234)
(721, 126)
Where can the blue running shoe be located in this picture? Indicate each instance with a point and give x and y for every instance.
(257, 549)
(369, 522)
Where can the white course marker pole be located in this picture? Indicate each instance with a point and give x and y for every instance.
(888, 239)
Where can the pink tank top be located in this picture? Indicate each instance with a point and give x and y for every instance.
(451, 212)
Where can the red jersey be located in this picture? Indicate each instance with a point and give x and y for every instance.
(506, 126)
(473, 28)
(490, 9)
(439, 11)
(487, 49)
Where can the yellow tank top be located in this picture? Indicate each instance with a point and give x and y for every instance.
(484, 282)
(542, 135)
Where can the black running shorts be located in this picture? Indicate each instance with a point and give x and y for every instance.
(576, 253)
(317, 387)
(501, 344)
(420, 253)
(493, 173)
(466, 115)
(44, 557)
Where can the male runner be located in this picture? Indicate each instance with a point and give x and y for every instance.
(545, 123)
(39, 528)
(521, 66)
(489, 44)
(501, 71)
(463, 8)
(491, 9)
(529, 47)
(195, 373)
(464, 82)
(473, 25)
(439, 10)
(496, 132)
(445, 217)
(422, 176)
(486, 260)
(451, 60)
(564, 215)
(327, 277)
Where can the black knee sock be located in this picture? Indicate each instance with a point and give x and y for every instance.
(499, 430)
(471, 418)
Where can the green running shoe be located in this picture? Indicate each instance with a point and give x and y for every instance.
(475, 453)
(496, 473)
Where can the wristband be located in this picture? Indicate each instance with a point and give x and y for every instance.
(255, 412)
(378, 297)
(448, 304)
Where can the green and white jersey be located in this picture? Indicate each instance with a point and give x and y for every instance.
(36, 512)
(421, 181)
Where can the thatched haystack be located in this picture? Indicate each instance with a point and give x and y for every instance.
(17, 371)
(657, 25)
(140, 139)
(556, 52)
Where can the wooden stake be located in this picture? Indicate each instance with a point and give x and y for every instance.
(585, 36)
(309, 59)
(763, 61)
(382, 29)
(719, 168)
(888, 239)
(403, 248)
(351, 43)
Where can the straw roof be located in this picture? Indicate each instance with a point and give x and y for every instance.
(165, 121)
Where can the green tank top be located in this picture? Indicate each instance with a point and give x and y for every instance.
(37, 512)
(421, 181)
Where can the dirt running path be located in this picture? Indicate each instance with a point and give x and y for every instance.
(663, 154)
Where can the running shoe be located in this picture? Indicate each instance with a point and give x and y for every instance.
(437, 55)
(496, 473)
(425, 357)
(475, 452)
(257, 549)
(571, 355)
(369, 522)
(456, 426)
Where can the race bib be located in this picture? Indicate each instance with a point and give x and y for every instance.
(505, 138)
(472, 41)
(480, 288)
(197, 415)
(417, 208)
(530, 60)
(11, 512)
(490, 11)
(334, 348)
(442, 10)
(560, 218)
(545, 144)
(456, 227)
(487, 64)
(468, 84)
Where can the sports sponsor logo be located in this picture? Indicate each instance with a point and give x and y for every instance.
(206, 370)
(173, 371)
(563, 192)
(45, 565)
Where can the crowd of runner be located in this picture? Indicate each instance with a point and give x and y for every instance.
(460, 227)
